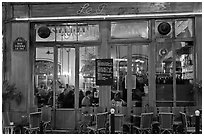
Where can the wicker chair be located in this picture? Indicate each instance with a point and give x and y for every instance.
(46, 118)
(145, 123)
(187, 130)
(100, 126)
(34, 123)
(166, 122)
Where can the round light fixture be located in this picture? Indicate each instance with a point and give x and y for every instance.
(44, 32)
(164, 28)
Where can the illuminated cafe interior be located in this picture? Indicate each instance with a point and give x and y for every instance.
(157, 60)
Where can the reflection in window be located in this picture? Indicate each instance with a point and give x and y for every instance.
(183, 28)
(87, 58)
(164, 74)
(184, 73)
(44, 71)
(129, 30)
(140, 72)
(119, 56)
(66, 78)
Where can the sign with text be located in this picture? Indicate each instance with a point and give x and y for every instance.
(20, 44)
(104, 71)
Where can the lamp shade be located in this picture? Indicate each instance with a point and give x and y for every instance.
(164, 28)
(44, 32)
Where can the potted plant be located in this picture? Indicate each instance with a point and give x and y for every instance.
(10, 93)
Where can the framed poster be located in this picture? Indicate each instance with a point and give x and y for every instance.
(104, 71)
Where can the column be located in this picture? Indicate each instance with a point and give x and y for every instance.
(104, 52)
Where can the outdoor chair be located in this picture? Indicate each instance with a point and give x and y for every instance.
(186, 128)
(8, 128)
(86, 121)
(166, 122)
(100, 124)
(145, 123)
(46, 118)
(118, 123)
(34, 123)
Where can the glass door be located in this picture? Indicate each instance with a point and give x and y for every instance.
(44, 76)
(65, 82)
(130, 73)
(140, 73)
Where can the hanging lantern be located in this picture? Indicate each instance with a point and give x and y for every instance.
(44, 32)
(164, 28)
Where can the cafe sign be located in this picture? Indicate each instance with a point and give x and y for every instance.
(20, 44)
(104, 71)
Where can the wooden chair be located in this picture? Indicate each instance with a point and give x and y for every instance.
(166, 122)
(8, 128)
(34, 123)
(46, 118)
(186, 129)
(100, 126)
(145, 123)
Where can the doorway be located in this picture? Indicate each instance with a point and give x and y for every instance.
(131, 73)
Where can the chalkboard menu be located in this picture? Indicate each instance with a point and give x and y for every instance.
(104, 71)
(20, 44)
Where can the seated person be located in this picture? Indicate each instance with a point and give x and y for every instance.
(61, 97)
(86, 102)
(68, 101)
(117, 101)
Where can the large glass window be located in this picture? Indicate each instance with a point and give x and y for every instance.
(164, 74)
(140, 88)
(184, 73)
(67, 32)
(44, 71)
(66, 78)
(174, 62)
(176, 68)
(87, 81)
(139, 75)
(119, 56)
(137, 30)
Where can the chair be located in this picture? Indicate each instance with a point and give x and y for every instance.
(145, 123)
(34, 123)
(185, 124)
(86, 121)
(101, 120)
(119, 123)
(46, 118)
(166, 122)
(7, 127)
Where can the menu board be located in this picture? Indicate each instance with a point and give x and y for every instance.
(104, 71)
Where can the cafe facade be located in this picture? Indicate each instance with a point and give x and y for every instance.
(151, 53)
